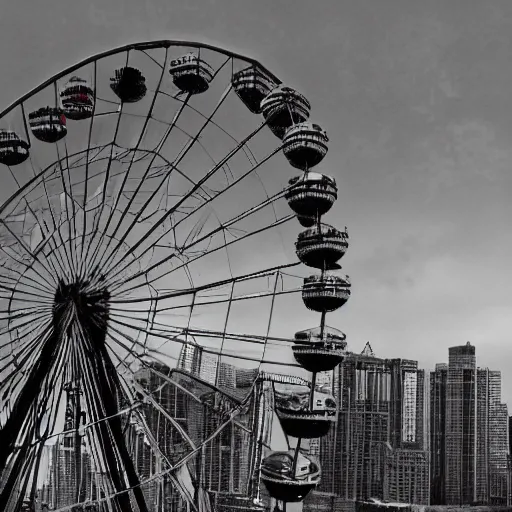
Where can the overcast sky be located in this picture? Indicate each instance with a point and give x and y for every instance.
(415, 97)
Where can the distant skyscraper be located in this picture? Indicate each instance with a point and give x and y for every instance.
(469, 433)
(208, 371)
(407, 476)
(461, 420)
(438, 379)
(498, 442)
(377, 448)
(510, 434)
(190, 358)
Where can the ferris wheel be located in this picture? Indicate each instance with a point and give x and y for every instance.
(149, 239)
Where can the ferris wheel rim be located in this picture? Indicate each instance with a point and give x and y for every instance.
(146, 45)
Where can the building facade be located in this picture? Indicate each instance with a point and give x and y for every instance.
(378, 447)
(438, 380)
(469, 433)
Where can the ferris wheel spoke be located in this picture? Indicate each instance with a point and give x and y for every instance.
(42, 292)
(181, 155)
(130, 349)
(22, 277)
(224, 246)
(19, 257)
(198, 333)
(13, 330)
(25, 353)
(70, 216)
(207, 236)
(139, 141)
(189, 214)
(161, 66)
(12, 290)
(87, 162)
(173, 209)
(16, 344)
(71, 260)
(29, 316)
(205, 303)
(235, 354)
(209, 286)
(28, 267)
(20, 283)
(17, 260)
(155, 154)
(60, 267)
(103, 194)
(246, 148)
(40, 222)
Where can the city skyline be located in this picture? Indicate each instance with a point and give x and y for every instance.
(391, 415)
(415, 96)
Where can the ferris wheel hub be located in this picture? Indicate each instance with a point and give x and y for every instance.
(81, 300)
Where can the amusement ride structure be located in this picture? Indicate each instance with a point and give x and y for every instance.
(138, 228)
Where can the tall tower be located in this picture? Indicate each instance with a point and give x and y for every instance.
(406, 474)
(438, 380)
(378, 447)
(498, 442)
(461, 420)
(190, 358)
(469, 433)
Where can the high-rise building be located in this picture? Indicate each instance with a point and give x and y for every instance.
(438, 379)
(498, 442)
(510, 434)
(469, 433)
(378, 447)
(461, 419)
(407, 476)
(190, 358)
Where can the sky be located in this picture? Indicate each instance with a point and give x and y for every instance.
(414, 96)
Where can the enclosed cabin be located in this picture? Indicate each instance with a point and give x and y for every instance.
(128, 84)
(321, 246)
(77, 99)
(48, 124)
(305, 145)
(299, 415)
(251, 85)
(13, 150)
(289, 482)
(325, 292)
(320, 350)
(282, 108)
(191, 74)
(310, 196)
